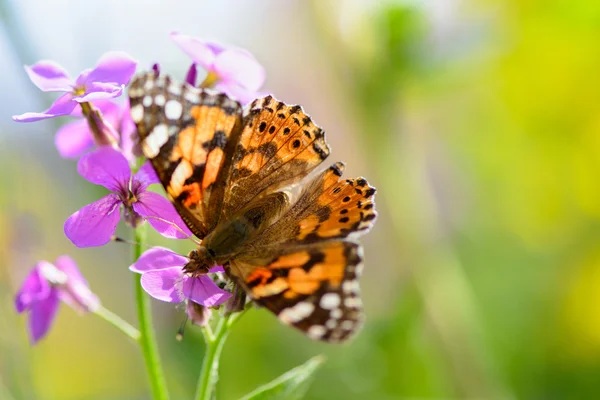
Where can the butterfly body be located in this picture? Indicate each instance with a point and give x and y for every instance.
(229, 171)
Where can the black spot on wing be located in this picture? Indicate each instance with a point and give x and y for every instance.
(323, 213)
(267, 149)
(319, 150)
(240, 173)
(315, 258)
(219, 140)
(337, 169)
(197, 175)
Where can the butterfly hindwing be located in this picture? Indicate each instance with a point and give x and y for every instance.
(311, 287)
(279, 145)
(189, 134)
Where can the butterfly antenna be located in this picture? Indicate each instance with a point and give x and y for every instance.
(118, 239)
(174, 225)
(179, 336)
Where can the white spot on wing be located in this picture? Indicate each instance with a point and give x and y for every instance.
(157, 137)
(331, 323)
(335, 335)
(347, 325)
(136, 92)
(211, 92)
(352, 302)
(137, 113)
(159, 100)
(174, 89)
(329, 301)
(359, 269)
(351, 286)
(316, 331)
(296, 313)
(147, 101)
(191, 96)
(173, 109)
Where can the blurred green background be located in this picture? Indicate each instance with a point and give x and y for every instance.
(478, 122)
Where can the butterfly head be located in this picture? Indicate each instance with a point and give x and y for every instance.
(201, 261)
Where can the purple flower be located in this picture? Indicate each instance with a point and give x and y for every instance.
(164, 279)
(106, 80)
(231, 70)
(95, 224)
(76, 138)
(45, 286)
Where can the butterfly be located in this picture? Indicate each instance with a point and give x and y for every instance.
(233, 175)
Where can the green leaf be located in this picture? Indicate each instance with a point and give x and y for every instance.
(292, 385)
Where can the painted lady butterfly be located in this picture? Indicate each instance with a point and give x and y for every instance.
(230, 173)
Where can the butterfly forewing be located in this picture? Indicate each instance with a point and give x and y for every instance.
(279, 145)
(189, 134)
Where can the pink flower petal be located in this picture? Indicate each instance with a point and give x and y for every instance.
(76, 293)
(35, 288)
(64, 105)
(218, 268)
(241, 68)
(95, 223)
(107, 108)
(236, 92)
(82, 78)
(74, 139)
(107, 167)
(150, 205)
(113, 67)
(158, 258)
(128, 139)
(67, 265)
(146, 175)
(111, 112)
(41, 316)
(204, 291)
(164, 284)
(98, 91)
(48, 76)
(201, 52)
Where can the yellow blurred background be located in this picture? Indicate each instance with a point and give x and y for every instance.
(479, 124)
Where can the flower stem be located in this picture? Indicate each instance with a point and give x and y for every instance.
(148, 338)
(118, 323)
(215, 340)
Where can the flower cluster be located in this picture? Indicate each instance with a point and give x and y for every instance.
(45, 287)
(101, 137)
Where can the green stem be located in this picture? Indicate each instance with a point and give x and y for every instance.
(148, 337)
(209, 375)
(118, 323)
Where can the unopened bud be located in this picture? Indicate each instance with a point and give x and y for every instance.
(197, 313)
(191, 75)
